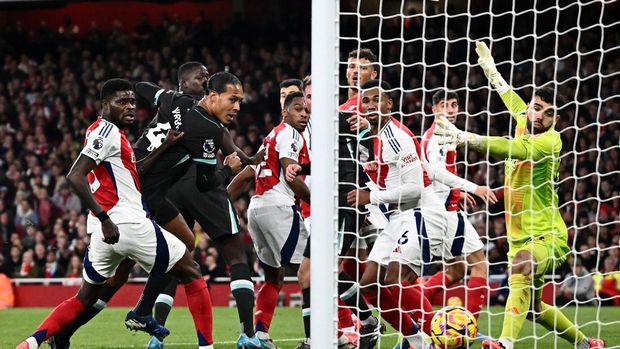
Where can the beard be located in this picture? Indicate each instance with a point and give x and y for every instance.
(535, 130)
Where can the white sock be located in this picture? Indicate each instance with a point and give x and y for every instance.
(262, 335)
(417, 340)
(342, 340)
(507, 343)
(206, 347)
(584, 344)
(32, 343)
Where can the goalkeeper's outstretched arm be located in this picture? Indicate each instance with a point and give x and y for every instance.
(511, 99)
(520, 148)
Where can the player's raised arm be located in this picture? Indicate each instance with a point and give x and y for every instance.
(145, 164)
(236, 186)
(511, 99)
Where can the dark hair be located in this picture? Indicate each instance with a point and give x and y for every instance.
(218, 82)
(380, 84)
(444, 95)
(291, 82)
(551, 96)
(114, 85)
(365, 53)
(289, 98)
(187, 68)
(307, 81)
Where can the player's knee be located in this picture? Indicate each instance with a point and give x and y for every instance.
(478, 264)
(522, 263)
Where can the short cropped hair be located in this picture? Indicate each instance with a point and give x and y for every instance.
(291, 82)
(187, 68)
(551, 96)
(114, 85)
(289, 98)
(307, 81)
(365, 53)
(444, 95)
(382, 85)
(218, 82)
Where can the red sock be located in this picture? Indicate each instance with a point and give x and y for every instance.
(199, 304)
(477, 292)
(266, 301)
(344, 315)
(390, 311)
(63, 314)
(413, 300)
(436, 283)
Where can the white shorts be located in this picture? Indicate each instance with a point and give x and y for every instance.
(462, 239)
(279, 234)
(143, 241)
(439, 234)
(382, 248)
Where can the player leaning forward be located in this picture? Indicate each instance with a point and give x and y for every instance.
(537, 235)
(117, 222)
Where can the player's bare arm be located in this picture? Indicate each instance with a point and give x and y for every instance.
(237, 185)
(228, 147)
(145, 164)
(78, 182)
(299, 187)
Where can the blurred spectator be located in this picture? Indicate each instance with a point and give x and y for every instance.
(607, 282)
(66, 200)
(74, 270)
(577, 286)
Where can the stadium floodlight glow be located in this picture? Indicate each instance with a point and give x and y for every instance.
(324, 172)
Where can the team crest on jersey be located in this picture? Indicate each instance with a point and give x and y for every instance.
(98, 143)
(208, 148)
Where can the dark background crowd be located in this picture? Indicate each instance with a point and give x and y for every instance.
(49, 93)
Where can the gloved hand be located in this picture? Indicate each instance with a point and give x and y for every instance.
(487, 63)
(450, 135)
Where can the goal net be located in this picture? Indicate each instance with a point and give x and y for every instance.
(573, 47)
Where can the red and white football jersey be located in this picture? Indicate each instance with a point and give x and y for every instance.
(271, 187)
(114, 183)
(397, 168)
(437, 158)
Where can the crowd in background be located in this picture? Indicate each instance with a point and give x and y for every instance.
(49, 94)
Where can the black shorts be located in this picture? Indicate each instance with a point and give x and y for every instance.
(212, 209)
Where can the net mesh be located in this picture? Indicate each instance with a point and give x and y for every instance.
(572, 46)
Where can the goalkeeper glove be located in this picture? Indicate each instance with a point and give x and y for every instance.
(451, 136)
(487, 63)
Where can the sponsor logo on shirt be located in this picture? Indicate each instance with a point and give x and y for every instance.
(408, 159)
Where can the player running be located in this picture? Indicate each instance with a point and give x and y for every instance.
(106, 179)
(537, 234)
(440, 165)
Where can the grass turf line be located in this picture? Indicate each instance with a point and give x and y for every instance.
(108, 330)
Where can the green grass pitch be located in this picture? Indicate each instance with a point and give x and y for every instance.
(108, 330)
